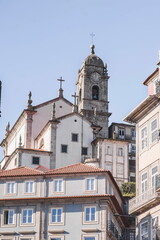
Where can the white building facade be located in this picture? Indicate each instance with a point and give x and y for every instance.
(146, 203)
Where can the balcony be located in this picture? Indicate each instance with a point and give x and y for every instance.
(113, 232)
(143, 200)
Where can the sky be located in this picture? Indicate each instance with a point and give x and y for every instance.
(41, 40)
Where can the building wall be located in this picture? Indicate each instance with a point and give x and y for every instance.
(66, 127)
(113, 156)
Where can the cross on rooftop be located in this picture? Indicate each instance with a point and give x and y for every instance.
(60, 80)
(92, 36)
(75, 98)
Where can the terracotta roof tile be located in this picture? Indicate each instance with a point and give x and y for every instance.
(21, 171)
(76, 168)
(42, 168)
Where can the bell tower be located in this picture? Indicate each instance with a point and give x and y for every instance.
(92, 89)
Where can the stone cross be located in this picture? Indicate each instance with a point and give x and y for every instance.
(92, 36)
(75, 98)
(60, 89)
(60, 80)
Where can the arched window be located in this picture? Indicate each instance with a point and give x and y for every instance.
(95, 92)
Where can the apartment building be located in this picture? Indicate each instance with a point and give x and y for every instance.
(146, 116)
(74, 202)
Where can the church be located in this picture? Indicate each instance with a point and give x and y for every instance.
(63, 165)
(58, 133)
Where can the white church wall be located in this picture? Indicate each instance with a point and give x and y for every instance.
(44, 114)
(68, 126)
(14, 138)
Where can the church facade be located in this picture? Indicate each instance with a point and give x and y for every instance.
(58, 133)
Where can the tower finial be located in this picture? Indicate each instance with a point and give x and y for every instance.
(92, 49)
(75, 107)
(7, 129)
(20, 141)
(60, 88)
(29, 100)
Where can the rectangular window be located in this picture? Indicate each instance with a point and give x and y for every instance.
(144, 138)
(133, 148)
(89, 238)
(58, 185)
(8, 217)
(56, 215)
(35, 160)
(10, 187)
(27, 216)
(90, 184)
(121, 133)
(144, 231)
(29, 187)
(133, 134)
(90, 214)
(84, 150)
(154, 228)
(154, 130)
(120, 152)
(154, 174)
(144, 185)
(64, 148)
(57, 238)
(74, 137)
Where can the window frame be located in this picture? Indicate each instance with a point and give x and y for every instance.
(144, 138)
(35, 158)
(154, 131)
(84, 236)
(14, 218)
(29, 192)
(82, 151)
(141, 229)
(120, 135)
(62, 148)
(33, 217)
(152, 226)
(74, 135)
(59, 187)
(90, 187)
(56, 237)
(62, 215)
(144, 185)
(90, 221)
(120, 152)
(15, 188)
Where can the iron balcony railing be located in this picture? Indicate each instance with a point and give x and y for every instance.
(111, 227)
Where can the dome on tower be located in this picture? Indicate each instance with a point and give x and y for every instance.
(93, 60)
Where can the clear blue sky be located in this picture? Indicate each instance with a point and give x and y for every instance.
(41, 40)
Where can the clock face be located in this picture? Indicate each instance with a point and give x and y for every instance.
(95, 77)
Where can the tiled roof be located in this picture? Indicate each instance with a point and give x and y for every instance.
(42, 168)
(21, 171)
(76, 168)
